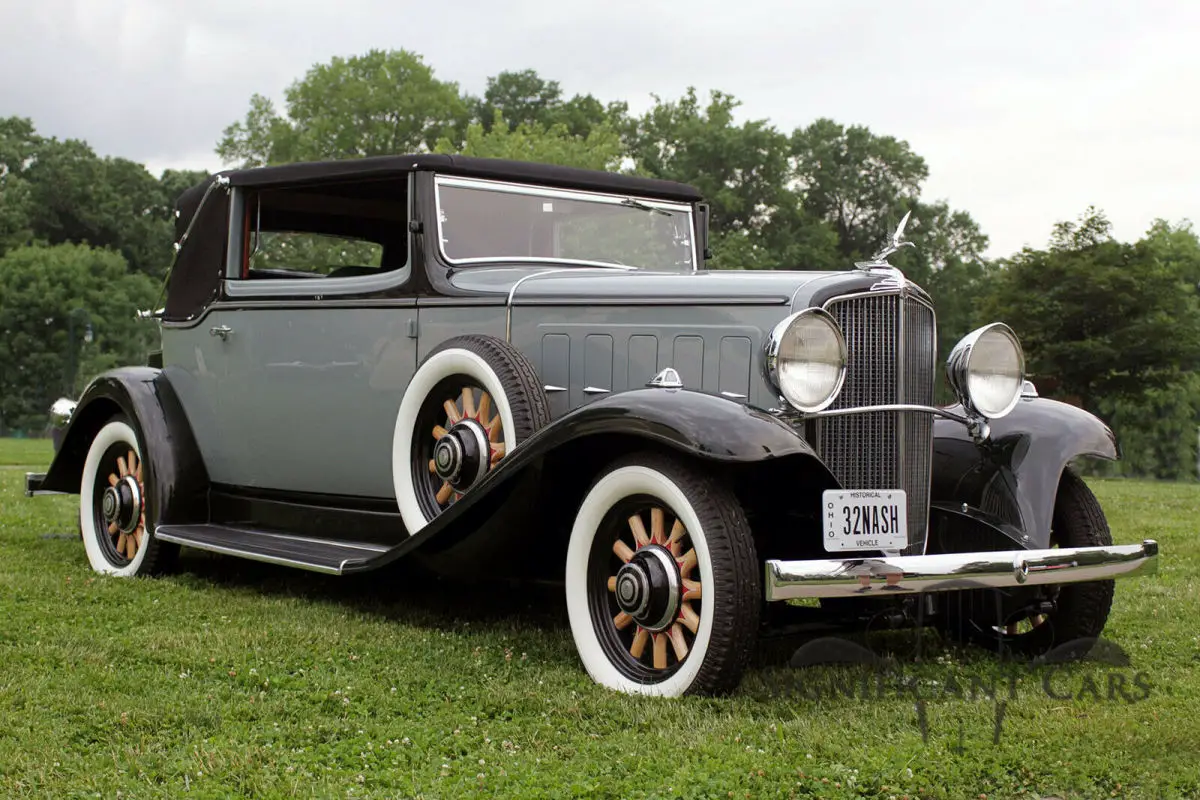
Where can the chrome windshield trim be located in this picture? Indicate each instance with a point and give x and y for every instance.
(581, 195)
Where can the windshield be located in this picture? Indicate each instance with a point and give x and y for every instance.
(484, 221)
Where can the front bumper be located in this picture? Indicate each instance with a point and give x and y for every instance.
(1003, 569)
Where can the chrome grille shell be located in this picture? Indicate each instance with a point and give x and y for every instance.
(891, 345)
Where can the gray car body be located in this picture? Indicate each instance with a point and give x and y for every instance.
(293, 386)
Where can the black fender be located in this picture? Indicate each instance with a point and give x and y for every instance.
(178, 480)
(570, 449)
(1009, 482)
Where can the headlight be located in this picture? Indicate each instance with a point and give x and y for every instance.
(806, 359)
(986, 369)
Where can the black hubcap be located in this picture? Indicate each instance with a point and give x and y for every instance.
(648, 588)
(121, 504)
(461, 456)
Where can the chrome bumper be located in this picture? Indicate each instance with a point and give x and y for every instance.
(889, 576)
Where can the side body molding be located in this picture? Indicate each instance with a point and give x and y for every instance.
(178, 478)
(1012, 478)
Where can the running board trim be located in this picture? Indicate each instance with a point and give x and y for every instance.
(225, 550)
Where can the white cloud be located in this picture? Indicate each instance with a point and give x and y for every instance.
(1026, 112)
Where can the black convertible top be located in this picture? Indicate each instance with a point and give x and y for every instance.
(196, 276)
(492, 168)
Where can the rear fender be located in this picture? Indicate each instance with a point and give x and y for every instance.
(178, 480)
(1011, 480)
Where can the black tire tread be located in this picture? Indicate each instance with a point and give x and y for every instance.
(1079, 521)
(529, 406)
(735, 570)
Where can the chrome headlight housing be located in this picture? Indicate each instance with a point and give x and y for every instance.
(806, 359)
(987, 370)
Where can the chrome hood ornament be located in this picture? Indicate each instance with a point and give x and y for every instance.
(897, 242)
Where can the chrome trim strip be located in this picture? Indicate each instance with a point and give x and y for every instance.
(594, 390)
(939, 412)
(604, 198)
(233, 551)
(370, 548)
(899, 575)
(549, 387)
(512, 293)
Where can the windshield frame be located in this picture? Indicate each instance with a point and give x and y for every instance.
(604, 198)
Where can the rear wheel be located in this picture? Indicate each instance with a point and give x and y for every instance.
(1030, 623)
(662, 580)
(112, 506)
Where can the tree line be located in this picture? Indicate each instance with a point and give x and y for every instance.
(1109, 325)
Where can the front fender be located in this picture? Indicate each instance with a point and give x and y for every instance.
(698, 425)
(178, 480)
(1013, 476)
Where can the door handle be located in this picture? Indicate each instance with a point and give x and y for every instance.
(221, 330)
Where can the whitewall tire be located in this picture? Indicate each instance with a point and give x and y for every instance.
(662, 583)
(112, 505)
(482, 397)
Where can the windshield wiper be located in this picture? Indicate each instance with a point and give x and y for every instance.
(638, 204)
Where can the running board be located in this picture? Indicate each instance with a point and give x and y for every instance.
(316, 555)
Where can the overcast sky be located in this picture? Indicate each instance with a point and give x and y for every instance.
(1026, 111)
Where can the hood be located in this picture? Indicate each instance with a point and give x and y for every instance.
(546, 286)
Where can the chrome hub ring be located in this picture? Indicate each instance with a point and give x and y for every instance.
(648, 588)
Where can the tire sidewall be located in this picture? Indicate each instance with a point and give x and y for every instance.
(610, 489)
(112, 433)
(437, 367)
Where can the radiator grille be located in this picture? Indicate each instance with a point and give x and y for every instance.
(891, 344)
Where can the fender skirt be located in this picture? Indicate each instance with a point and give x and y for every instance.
(1010, 481)
(699, 425)
(178, 480)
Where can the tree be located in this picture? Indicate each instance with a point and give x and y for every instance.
(380, 103)
(600, 149)
(526, 98)
(857, 181)
(46, 295)
(1099, 318)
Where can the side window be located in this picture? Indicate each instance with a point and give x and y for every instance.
(340, 230)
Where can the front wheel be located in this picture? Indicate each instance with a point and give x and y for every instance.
(662, 580)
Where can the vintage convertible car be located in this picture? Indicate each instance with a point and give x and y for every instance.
(509, 369)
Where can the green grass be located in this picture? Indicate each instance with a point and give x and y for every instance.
(233, 679)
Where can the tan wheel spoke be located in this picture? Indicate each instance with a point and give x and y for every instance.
(1013, 628)
(452, 411)
(113, 480)
(121, 544)
(139, 472)
(130, 546)
(687, 563)
(468, 401)
(432, 466)
(438, 431)
(112, 529)
(658, 526)
(498, 450)
(678, 643)
(485, 408)
(131, 462)
(622, 620)
(692, 590)
(612, 583)
(122, 469)
(622, 550)
(443, 494)
(494, 428)
(639, 530)
(689, 617)
(660, 651)
(1038, 620)
(137, 535)
(639, 643)
(675, 540)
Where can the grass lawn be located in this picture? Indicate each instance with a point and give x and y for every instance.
(235, 679)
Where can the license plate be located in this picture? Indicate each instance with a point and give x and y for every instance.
(865, 519)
